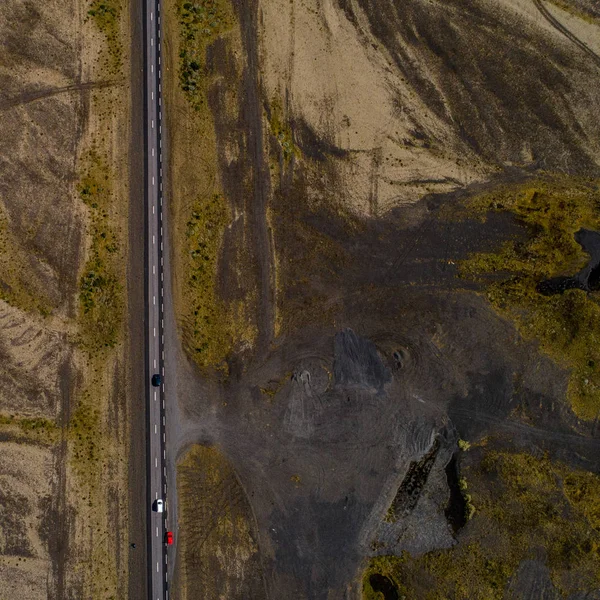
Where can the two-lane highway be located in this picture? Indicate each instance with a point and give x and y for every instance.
(156, 463)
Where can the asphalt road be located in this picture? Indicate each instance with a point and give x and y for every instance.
(156, 462)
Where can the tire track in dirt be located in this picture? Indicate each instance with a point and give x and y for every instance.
(260, 173)
(560, 27)
(510, 426)
(26, 98)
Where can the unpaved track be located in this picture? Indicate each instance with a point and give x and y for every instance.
(260, 172)
(28, 97)
(560, 27)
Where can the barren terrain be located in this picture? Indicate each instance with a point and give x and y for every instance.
(64, 111)
(389, 325)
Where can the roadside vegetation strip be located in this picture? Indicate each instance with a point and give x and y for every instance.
(201, 22)
(96, 431)
(101, 293)
(523, 504)
(207, 334)
(567, 324)
(106, 15)
(211, 326)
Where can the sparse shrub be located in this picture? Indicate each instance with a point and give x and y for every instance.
(200, 23)
(100, 291)
(106, 16)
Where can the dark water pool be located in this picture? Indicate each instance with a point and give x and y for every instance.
(383, 584)
(588, 279)
(456, 509)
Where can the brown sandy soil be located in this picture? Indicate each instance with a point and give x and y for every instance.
(345, 142)
(63, 400)
(218, 548)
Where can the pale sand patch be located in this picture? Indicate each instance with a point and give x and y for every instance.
(336, 76)
(25, 475)
(347, 90)
(587, 32)
(24, 579)
(32, 356)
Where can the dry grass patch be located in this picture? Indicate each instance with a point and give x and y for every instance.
(217, 546)
(211, 327)
(101, 291)
(567, 325)
(106, 15)
(17, 287)
(523, 503)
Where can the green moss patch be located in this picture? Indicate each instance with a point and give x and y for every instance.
(524, 504)
(568, 325)
(100, 291)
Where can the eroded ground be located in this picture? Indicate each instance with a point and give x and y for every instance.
(63, 244)
(367, 202)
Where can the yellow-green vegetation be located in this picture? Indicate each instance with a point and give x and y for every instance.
(98, 462)
(100, 291)
(96, 455)
(85, 435)
(523, 504)
(95, 460)
(208, 335)
(282, 132)
(217, 534)
(464, 490)
(202, 22)
(36, 429)
(464, 445)
(106, 15)
(567, 325)
(211, 326)
(273, 386)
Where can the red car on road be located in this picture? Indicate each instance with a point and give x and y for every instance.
(169, 538)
